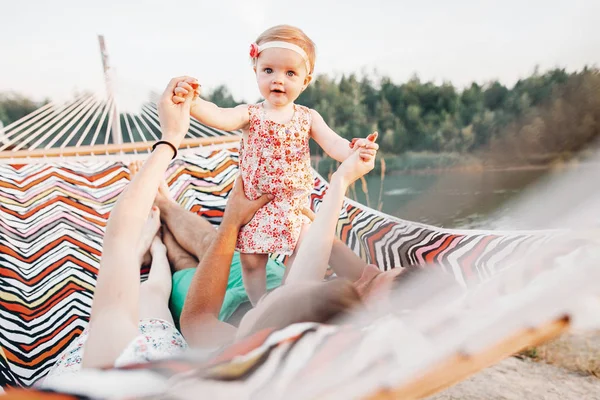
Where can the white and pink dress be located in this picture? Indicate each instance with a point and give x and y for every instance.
(275, 159)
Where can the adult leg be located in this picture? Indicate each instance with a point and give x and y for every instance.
(254, 275)
(178, 257)
(100, 352)
(155, 292)
(193, 233)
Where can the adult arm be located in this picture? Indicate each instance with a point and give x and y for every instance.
(312, 259)
(200, 315)
(344, 262)
(116, 297)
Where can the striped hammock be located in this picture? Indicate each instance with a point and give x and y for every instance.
(53, 212)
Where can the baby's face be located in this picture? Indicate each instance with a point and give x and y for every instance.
(281, 75)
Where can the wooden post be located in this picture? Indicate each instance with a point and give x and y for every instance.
(117, 137)
(459, 367)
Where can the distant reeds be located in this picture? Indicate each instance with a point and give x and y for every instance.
(380, 201)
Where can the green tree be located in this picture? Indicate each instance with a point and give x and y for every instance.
(222, 97)
(14, 106)
(495, 96)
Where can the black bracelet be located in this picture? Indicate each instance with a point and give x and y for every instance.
(170, 145)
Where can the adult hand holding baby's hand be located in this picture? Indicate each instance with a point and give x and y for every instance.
(357, 164)
(367, 148)
(174, 116)
(184, 87)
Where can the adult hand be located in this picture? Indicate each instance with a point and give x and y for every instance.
(184, 87)
(367, 148)
(174, 118)
(240, 209)
(356, 165)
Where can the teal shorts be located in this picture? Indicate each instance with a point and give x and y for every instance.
(235, 295)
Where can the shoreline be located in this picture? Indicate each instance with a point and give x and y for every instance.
(480, 169)
(475, 166)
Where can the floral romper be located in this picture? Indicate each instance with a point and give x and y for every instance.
(275, 159)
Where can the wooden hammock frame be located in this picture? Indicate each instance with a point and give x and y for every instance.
(459, 367)
(112, 148)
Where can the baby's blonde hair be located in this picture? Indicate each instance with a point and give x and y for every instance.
(290, 34)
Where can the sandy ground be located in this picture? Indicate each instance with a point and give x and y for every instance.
(573, 374)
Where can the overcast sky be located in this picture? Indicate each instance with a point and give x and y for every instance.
(50, 48)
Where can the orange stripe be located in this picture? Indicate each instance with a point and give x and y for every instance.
(46, 338)
(430, 257)
(43, 356)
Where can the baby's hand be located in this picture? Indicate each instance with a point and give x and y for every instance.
(367, 148)
(355, 166)
(183, 88)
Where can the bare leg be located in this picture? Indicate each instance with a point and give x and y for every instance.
(155, 292)
(254, 275)
(178, 257)
(105, 343)
(193, 233)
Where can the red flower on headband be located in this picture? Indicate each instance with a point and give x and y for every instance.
(253, 50)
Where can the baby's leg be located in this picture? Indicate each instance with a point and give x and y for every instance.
(290, 261)
(254, 275)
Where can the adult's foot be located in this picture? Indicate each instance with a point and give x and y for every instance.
(163, 196)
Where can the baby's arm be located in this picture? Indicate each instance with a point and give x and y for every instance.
(336, 146)
(227, 119)
(333, 144)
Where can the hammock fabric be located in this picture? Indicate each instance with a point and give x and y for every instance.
(52, 220)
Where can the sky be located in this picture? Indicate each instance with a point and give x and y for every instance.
(49, 49)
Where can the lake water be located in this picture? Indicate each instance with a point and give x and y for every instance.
(452, 199)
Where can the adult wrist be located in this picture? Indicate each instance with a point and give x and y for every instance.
(165, 143)
(339, 180)
(230, 222)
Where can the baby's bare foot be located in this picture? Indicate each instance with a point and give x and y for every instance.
(148, 233)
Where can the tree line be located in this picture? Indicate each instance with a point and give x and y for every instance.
(540, 118)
